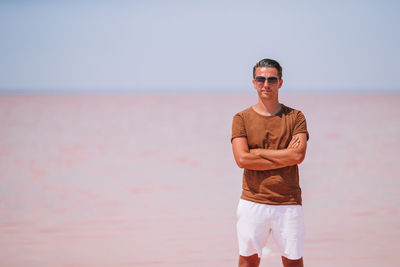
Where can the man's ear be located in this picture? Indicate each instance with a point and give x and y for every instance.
(254, 84)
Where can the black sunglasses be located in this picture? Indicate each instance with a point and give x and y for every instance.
(271, 80)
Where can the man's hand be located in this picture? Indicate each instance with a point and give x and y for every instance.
(256, 151)
(295, 142)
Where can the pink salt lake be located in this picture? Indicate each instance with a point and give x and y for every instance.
(149, 180)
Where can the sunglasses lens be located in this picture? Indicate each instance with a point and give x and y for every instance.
(272, 80)
(260, 79)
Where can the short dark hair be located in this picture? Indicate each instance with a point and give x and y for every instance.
(268, 63)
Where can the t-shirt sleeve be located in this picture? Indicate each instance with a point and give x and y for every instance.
(238, 127)
(300, 125)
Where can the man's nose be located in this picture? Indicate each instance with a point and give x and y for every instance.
(266, 84)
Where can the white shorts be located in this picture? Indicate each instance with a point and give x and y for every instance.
(256, 221)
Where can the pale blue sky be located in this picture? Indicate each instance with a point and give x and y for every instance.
(205, 46)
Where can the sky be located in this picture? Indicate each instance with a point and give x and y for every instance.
(198, 46)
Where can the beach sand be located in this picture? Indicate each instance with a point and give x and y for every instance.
(150, 180)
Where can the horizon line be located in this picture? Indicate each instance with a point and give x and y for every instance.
(193, 91)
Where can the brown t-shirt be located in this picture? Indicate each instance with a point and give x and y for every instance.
(273, 187)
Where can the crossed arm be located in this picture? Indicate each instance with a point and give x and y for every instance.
(268, 159)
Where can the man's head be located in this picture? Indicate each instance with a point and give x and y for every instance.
(267, 74)
(268, 63)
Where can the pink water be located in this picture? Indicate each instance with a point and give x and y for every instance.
(149, 180)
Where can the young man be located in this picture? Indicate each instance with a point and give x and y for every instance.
(269, 139)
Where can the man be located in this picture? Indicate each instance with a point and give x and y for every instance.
(269, 139)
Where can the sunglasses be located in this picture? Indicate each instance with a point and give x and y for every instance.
(270, 80)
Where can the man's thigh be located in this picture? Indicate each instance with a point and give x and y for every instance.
(288, 230)
(253, 227)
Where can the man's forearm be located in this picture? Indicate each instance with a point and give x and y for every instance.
(254, 162)
(284, 157)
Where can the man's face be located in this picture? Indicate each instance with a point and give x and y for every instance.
(267, 83)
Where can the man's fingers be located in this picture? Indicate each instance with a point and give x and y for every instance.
(254, 150)
(294, 142)
(294, 139)
(294, 145)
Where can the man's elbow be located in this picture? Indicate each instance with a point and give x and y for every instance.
(299, 157)
(241, 162)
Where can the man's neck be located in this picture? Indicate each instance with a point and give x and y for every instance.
(268, 107)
